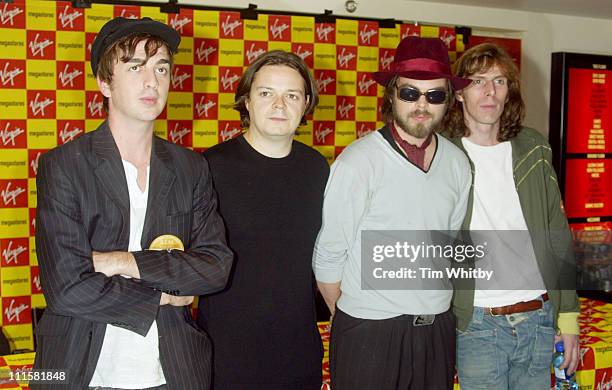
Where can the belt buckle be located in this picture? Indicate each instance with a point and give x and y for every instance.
(423, 319)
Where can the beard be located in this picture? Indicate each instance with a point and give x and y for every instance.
(420, 130)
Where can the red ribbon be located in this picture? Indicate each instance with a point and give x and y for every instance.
(420, 64)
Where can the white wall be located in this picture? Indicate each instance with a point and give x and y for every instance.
(542, 34)
(549, 33)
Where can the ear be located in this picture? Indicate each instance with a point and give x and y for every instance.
(306, 104)
(459, 97)
(104, 87)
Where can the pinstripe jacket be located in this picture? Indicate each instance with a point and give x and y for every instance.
(83, 206)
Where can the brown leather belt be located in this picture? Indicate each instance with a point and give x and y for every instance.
(517, 307)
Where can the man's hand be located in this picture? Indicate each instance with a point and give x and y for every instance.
(330, 292)
(115, 263)
(572, 351)
(167, 299)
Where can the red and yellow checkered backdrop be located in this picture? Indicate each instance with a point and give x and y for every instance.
(48, 96)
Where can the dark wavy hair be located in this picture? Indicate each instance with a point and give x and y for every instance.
(275, 57)
(481, 58)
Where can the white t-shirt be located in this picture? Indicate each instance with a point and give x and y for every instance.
(497, 208)
(128, 360)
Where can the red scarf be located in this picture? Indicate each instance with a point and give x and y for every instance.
(415, 154)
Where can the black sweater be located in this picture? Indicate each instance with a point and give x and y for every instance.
(263, 325)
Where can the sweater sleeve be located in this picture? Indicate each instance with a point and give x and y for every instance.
(346, 196)
(464, 186)
(568, 323)
(561, 240)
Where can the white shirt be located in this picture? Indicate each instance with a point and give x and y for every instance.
(497, 207)
(128, 360)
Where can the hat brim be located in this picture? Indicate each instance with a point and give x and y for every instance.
(458, 83)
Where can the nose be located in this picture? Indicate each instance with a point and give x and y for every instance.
(489, 87)
(150, 78)
(279, 102)
(422, 101)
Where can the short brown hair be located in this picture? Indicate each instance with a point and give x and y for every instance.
(386, 107)
(123, 50)
(275, 57)
(481, 58)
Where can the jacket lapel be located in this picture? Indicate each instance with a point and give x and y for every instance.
(109, 171)
(161, 178)
(468, 214)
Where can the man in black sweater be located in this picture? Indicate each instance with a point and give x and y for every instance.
(270, 190)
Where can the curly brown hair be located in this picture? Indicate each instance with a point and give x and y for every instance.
(481, 58)
(275, 57)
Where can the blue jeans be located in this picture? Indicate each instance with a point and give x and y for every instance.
(509, 352)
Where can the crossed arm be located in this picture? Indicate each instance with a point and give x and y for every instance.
(76, 286)
(123, 263)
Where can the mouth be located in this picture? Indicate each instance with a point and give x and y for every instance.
(149, 100)
(488, 106)
(277, 119)
(420, 117)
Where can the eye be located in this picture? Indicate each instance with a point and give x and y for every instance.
(134, 68)
(477, 82)
(265, 93)
(162, 70)
(293, 96)
(500, 81)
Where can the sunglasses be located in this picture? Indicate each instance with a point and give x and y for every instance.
(411, 94)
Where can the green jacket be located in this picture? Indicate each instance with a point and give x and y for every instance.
(536, 183)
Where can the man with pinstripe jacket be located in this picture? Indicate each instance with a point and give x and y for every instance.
(118, 314)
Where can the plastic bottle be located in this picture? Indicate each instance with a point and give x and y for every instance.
(563, 380)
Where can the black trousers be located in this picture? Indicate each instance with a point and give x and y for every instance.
(392, 354)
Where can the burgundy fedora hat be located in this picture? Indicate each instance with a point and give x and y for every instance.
(421, 59)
